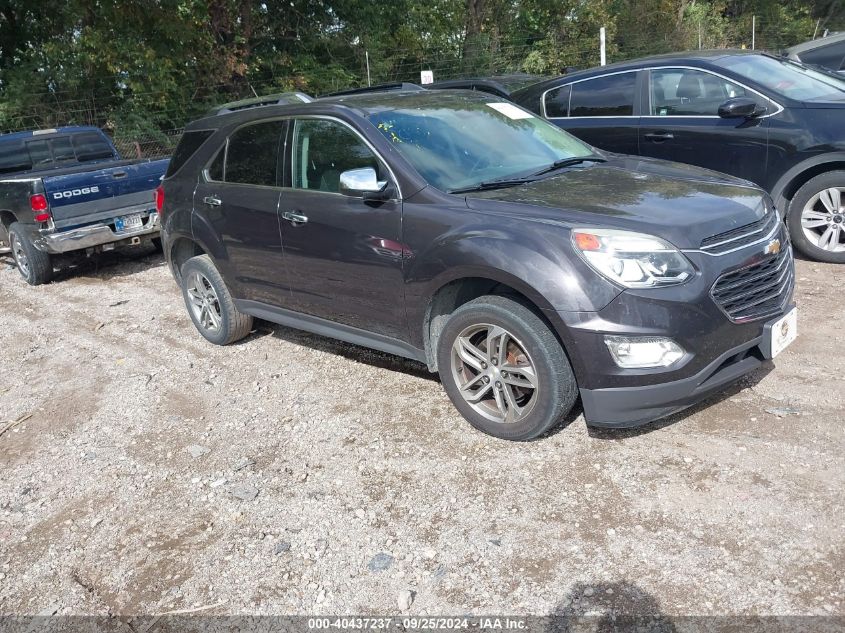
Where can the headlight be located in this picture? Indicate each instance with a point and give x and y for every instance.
(635, 260)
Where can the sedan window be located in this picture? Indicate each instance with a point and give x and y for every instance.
(689, 92)
(611, 95)
(786, 78)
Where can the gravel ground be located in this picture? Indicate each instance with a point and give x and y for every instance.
(290, 473)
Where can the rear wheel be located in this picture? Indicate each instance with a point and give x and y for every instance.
(504, 369)
(817, 218)
(209, 303)
(35, 266)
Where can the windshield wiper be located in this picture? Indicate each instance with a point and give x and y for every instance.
(568, 162)
(499, 183)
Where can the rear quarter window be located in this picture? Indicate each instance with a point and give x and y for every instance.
(187, 147)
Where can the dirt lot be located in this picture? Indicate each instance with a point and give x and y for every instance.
(294, 474)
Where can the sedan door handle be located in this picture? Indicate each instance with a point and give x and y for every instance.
(659, 136)
(212, 201)
(294, 218)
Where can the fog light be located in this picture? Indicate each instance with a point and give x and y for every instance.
(641, 352)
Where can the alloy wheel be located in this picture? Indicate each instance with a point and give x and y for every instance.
(823, 220)
(20, 255)
(204, 302)
(494, 373)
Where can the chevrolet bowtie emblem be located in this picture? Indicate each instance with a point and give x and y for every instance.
(772, 248)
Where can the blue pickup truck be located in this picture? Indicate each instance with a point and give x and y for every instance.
(68, 189)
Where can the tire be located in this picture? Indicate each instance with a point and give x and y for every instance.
(156, 242)
(35, 266)
(811, 205)
(529, 343)
(209, 303)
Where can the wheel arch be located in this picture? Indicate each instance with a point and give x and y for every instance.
(456, 290)
(787, 186)
(180, 249)
(6, 219)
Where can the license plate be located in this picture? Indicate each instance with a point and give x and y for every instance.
(128, 223)
(782, 332)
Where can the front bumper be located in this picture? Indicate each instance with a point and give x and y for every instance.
(93, 235)
(719, 349)
(625, 407)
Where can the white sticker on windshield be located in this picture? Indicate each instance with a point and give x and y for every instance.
(511, 111)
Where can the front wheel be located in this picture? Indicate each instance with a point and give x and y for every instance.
(817, 218)
(209, 303)
(504, 369)
(35, 266)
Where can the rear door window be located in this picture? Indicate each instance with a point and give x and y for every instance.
(253, 154)
(611, 95)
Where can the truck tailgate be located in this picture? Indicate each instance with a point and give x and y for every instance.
(103, 193)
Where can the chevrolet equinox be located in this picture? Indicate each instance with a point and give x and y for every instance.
(464, 232)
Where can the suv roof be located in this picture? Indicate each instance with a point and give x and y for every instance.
(364, 103)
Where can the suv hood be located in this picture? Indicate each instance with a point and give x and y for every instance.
(680, 203)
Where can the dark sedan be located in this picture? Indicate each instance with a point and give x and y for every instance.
(769, 120)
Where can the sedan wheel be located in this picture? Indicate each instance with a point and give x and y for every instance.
(816, 218)
(823, 220)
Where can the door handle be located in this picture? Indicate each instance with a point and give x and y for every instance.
(659, 136)
(294, 218)
(119, 174)
(212, 201)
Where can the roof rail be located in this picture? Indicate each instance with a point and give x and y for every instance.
(379, 88)
(281, 98)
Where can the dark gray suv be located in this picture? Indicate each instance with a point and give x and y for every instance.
(453, 228)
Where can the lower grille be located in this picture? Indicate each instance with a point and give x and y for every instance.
(758, 291)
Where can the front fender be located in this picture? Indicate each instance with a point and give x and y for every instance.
(536, 260)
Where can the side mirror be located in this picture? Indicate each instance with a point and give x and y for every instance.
(740, 108)
(362, 183)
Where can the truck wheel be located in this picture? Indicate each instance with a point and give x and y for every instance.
(34, 265)
(504, 369)
(156, 242)
(210, 304)
(817, 218)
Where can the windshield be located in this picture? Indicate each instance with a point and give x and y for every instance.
(785, 77)
(463, 145)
